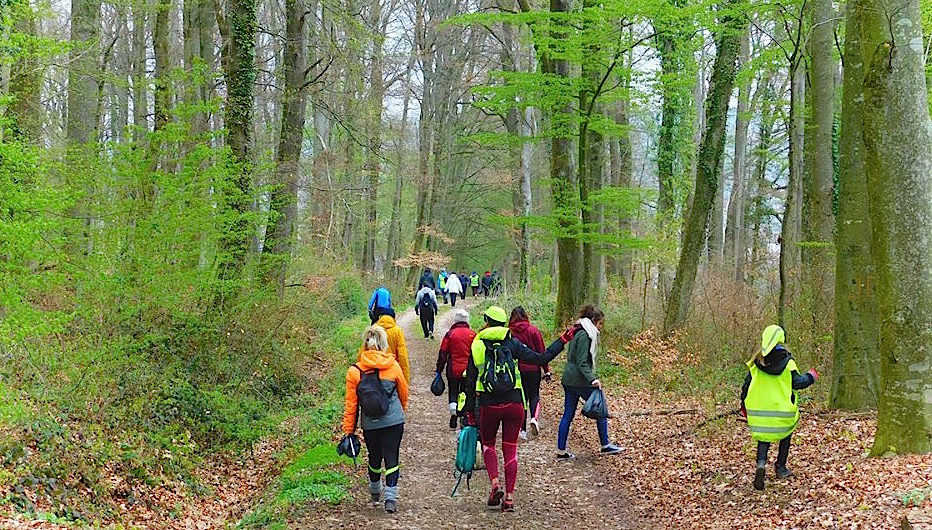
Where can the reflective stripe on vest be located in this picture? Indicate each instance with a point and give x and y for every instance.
(770, 403)
(496, 333)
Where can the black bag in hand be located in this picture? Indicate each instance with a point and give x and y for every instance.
(437, 387)
(596, 407)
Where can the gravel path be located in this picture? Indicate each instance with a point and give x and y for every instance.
(549, 494)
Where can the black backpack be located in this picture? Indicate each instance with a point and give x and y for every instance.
(426, 303)
(501, 372)
(373, 399)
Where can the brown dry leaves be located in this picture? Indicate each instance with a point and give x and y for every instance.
(703, 480)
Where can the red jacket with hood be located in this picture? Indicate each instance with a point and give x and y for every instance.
(455, 349)
(528, 333)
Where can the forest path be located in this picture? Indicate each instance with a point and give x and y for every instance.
(549, 494)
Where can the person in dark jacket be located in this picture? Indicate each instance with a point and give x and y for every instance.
(504, 407)
(522, 329)
(454, 358)
(768, 400)
(579, 379)
(464, 281)
(427, 279)
(425, 306)
(487, 284)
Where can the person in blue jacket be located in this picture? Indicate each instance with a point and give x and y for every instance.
(380, 302)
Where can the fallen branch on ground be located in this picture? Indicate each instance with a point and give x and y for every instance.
(708, 420)
(663, 412)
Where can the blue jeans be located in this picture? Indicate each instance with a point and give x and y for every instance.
(572, 396)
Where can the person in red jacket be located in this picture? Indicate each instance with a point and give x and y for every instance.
(521, 328)
(455, 349)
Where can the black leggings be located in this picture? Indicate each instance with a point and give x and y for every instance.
(457, 385)
(783, 451)
(530, 381)
(453, 299)
(384, 445)
(427, 322)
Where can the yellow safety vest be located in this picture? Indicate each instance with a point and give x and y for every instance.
(771, 403)
(492, 334)
(474, 280)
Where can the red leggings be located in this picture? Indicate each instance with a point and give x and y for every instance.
(510, 415)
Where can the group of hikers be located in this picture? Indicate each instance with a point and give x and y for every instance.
(494, 376)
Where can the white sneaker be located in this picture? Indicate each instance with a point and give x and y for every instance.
(534, 428)
(522, 436)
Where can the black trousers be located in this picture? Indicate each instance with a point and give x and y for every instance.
(453, 299)
(783, 451)
(427, 322)
(530, 381)
(456, 385)
(384, 445)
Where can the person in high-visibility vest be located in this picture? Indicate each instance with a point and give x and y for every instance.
(495, 398)
(474, 283)
(768, 400)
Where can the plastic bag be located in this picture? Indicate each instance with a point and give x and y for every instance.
(596, 407)
(437, 387)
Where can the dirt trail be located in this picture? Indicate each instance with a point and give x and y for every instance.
(549, 494)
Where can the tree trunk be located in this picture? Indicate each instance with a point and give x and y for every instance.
(707, 170)
(374, 126)
(564, 187)
(897, 135)
(140, 99)
(856, 356)
(790, 230)
(282, 203)
(394, 229)
(734, 226)
(527, 152)
(163, 94)
(819, 219)
(26, 83)
(240, 75)
(717, 221)
(666, 154)
(591, 163)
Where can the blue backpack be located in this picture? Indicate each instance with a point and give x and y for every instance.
(465, 456)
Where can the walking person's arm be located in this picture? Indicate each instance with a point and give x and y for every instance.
(350, 405)
(401, 385)
(403, 356)
(444, 356)
(472, 374)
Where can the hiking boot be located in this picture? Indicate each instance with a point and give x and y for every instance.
(522, 435)
(508, 505)
(453, 422)
(391, 506)
(565, 456)
(375, 492)
(759, 476)
(495, 497)
(375, 497)
(611, 449)
(534, 428)
(783, 472)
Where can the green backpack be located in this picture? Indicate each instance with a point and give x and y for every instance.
(465, 456)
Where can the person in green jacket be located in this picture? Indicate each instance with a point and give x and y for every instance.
(579, 379)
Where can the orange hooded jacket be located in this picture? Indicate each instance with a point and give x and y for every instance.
(396, 344)
(388, 370)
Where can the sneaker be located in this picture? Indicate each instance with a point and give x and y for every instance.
(533, 428)
(453, 422)
(565, 457)
(495, 497)
(375, 497)
(508, 506)
(522, 436)
(759, 477)
(391, 507)
(611, 449)
(783, 472)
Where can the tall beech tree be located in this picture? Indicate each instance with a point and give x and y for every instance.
(708, 170)
(897, 133)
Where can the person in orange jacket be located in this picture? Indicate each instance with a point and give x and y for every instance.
(396, 342)
(377, 372)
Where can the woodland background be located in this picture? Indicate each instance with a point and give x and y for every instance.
(198, 195)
